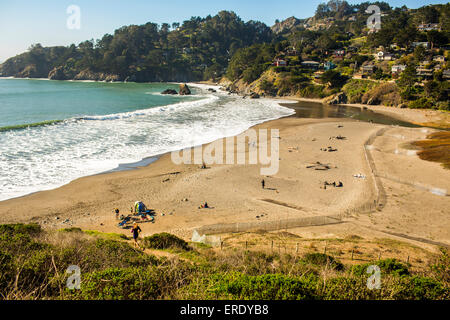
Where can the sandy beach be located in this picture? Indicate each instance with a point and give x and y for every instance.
(387, 200)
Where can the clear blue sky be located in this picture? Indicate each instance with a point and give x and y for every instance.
(23, 23)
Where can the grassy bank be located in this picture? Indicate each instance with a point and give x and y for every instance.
(436, 148)
(34, 264)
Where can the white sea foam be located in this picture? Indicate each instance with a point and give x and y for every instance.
(48, 157)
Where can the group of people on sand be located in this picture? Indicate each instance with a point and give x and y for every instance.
(334, 184)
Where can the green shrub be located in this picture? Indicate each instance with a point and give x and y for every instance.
(320, 259)
(441, 268)
(355, 89)
(104, 253)
(6, 270)
(387, 266)
(312, 91)
(29, 229)
(348, 288)
(163, 241)
(71, 230)
(385, 93)
(118, 284)
(265, 287)
(109, 236)
(421, 103)
(421, 288)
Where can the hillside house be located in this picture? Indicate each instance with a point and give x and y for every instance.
(368, 70)
(385, 56)
(428, 27)
(339, 54)
(187, 50)
(329, 65)
(446, 74)
(439, 59)
(314, 65)
(292, 52)
(280, 63)
(397, 69)
(426, 45)
(425, 73)
(424, 64)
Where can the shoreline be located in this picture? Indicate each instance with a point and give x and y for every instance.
(149, 160)
(144, 162)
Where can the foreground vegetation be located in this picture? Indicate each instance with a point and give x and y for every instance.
(34, 263)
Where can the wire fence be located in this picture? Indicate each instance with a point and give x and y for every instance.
(416, 185)
(269, 225)
(381, 198)
(295, 247)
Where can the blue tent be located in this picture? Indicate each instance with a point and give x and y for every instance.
(140, 207)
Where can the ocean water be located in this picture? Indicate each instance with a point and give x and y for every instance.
(53, 132)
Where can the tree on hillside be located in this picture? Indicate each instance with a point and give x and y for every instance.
(333, 79)
(406, 82)
(419, 53)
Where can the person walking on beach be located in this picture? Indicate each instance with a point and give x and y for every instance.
(263, 183)
(135, 231)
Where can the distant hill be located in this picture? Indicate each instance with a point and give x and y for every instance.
(198, 49)
(208, 48)
(286, 25)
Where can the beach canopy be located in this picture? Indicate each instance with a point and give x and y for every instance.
(140, 207)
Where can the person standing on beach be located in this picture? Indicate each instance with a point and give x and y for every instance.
(263, 183)
(135, 231)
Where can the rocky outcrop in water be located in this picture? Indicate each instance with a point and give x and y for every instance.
(169, 91)
(184, 90)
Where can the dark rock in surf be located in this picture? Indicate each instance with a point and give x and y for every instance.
(169, 91)
(184, 90)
